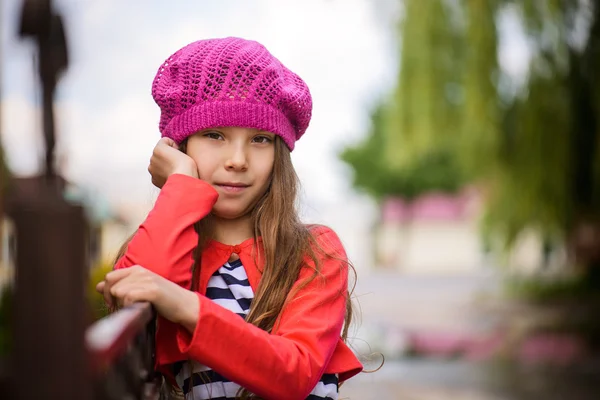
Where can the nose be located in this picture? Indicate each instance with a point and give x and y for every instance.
(237, 159)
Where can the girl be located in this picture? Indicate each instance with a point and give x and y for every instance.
(251, 303)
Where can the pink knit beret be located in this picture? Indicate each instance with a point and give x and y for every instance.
(230, 82)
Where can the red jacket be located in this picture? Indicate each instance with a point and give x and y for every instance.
(284, 364)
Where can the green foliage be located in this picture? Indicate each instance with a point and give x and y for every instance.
(545, 155)
(426, 103)
(538, 289)
(479, 136)
(532, 183)
(96, 300)
(436, 170)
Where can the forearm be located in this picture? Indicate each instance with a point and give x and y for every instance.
(189, 311)
(165, 241)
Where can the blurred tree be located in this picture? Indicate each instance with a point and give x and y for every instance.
(547, 169)
(425, 106)
(434, 170)
(410, 148)
(532, 148)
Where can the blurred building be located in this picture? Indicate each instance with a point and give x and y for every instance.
(439, 233)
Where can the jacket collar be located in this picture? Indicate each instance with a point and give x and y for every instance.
(216, 254)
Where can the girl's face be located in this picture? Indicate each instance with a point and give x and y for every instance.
(237, 162)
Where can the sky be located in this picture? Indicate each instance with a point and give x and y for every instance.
(107, 122)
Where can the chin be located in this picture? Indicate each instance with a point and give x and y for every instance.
(228, 213)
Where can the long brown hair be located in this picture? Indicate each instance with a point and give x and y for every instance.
(286, 242)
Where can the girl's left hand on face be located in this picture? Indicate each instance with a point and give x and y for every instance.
(137, 284)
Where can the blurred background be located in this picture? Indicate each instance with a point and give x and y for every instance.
(453, 147)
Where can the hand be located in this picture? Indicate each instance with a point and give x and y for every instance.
(135, 284)
(167, 160)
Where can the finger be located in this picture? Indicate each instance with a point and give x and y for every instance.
(118, 291)
(133, 296)
(108, 298)
(171, 143)
(166, 142)
(127, 292)
(117, 274)
(132, 281)
(100, 287)
(111, 280)
(159, 151)
(167, 151)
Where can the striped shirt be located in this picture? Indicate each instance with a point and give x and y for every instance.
(229, 287)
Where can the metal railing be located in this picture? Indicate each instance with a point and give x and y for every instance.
(121, 350)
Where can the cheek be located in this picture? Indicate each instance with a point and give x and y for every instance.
(205, 171)
(205, 163)
(264, 170)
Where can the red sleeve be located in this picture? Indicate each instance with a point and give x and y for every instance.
(289, 362)
(166, 239)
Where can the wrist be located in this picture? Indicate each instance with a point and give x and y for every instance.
(188, 169)
(184, 172)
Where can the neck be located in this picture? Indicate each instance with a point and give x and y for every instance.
(233, 231)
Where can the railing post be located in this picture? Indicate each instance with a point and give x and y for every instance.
(50, 304)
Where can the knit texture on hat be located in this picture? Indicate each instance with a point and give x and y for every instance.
(230, 82)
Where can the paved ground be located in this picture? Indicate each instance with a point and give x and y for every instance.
(454, 380)
(393, 303)
(419, 381)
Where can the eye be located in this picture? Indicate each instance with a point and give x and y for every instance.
(213, 135)
(262, 139)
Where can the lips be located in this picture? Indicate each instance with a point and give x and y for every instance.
(232, 187)
(233, 184)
